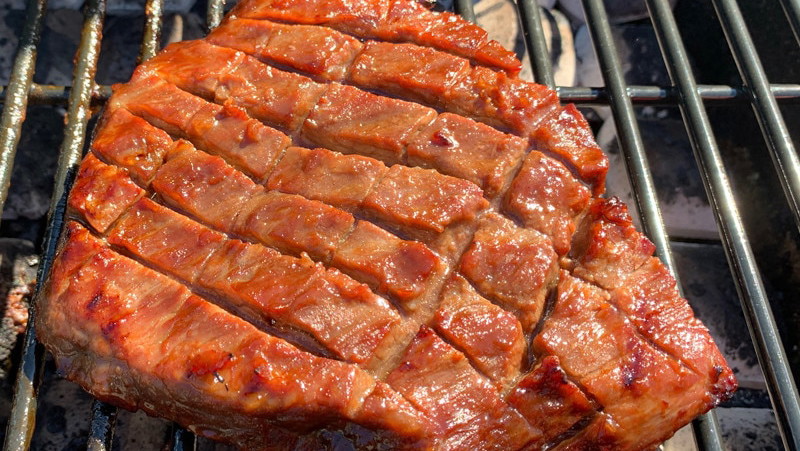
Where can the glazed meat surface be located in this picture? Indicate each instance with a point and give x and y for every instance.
(349, 223)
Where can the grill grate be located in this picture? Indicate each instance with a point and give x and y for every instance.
(685, 93)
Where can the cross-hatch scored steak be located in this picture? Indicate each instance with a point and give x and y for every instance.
(349, 220)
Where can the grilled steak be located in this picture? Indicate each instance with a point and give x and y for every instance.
(334, 221)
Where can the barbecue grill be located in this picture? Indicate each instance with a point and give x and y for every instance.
(683, 92)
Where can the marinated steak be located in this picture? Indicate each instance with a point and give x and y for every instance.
(349, 221)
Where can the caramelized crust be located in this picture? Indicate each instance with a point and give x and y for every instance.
(490, 336)
(545, 197)
(512, 266)
(550, 401)
(102, 193)
(439, 381)
(320, 174)
(318, 51)
(462, 148)
(394, 20)
(349, 120)
(436, 275)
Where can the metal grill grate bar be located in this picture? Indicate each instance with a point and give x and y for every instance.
(151, 41)
(792, 10)
(773, 127)
(216, 8)
(17, 92)
(23, 413)
(640, 95)
(101, 432)
(535, 42)
(465, 9)
(718, 189)
(771, 354)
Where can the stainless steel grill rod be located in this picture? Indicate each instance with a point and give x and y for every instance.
(633, 149)
(17, 92)
(23, 411)
(718, 188)
(792, 10)
(640, 95)
(534, 40)
(627, 129)
(214, 13)
(782, 151)
(465, 9)
(151, 39)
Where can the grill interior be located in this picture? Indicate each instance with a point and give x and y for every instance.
(695, 101)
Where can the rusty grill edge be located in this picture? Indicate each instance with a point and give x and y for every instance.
(685, 93)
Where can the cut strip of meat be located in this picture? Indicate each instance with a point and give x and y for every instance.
(130, 142)
(166, 240)
(157, 102)
(136, 338)
(387, 263)
(512, 266)
(463, 148)
(339, 180)
(613, 254)
(581, 330)
(544, 196)
(502, 101)
(243, 142)
(411, 22)
(400, 21)
(102, 193)
(550, 401)
(225, 130)
(204, 186)
(194, 66)
(465, 406)
(294, 224)
(491, 337)
(406, 70)
(280, 99)
(651, 301)
(349, 120)
(419, 200)
(567, 134)
(318, 51)
(340, 313)
(640, 388)
(352, 16)
(345, 315)
(609, 248)
(421, 203)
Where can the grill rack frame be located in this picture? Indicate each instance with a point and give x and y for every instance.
(684, 92)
